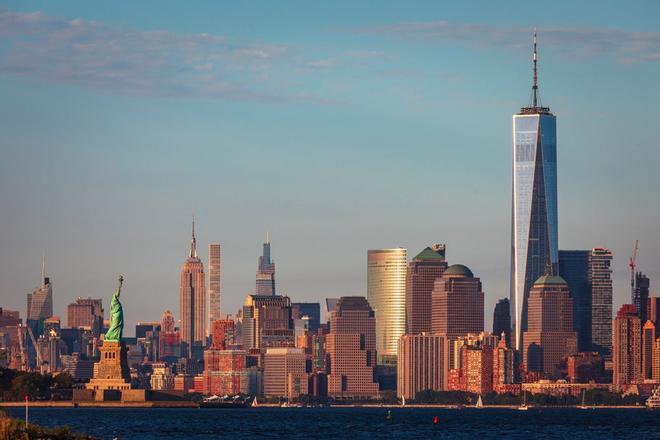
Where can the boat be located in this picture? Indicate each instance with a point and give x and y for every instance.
(403, 400)
(523, 406)
(583, 406)
(226, 402)
(480, 403)
(653, 402)
(254, 402)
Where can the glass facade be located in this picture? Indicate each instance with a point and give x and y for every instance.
(600, 278)
(386, 293)
(534, 214)
(574, 268)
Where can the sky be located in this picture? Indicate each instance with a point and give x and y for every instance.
(337, 127)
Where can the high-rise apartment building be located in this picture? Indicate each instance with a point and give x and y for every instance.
(641, 295)
(351, 349)
(458, 303)
(40, 301)
(423, 270)
(534, 211)
(502, 319)
(285, 372)
(193, 303)
(550, 337)
(648, 349)
(386, 293)
(600, 281)
(504, 373)
(265, 272)
(86, 313)
(574, 269)
(627, 340)
(214, 282)
(423, 364)
(267, 322)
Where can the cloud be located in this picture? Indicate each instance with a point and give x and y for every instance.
(157, 63)
(625, 46)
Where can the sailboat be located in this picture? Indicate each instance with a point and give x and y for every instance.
(480, 403)
(524, 406)
(583, 406)
(403, 400)
(254, 402)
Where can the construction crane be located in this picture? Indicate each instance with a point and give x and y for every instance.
(633, 265)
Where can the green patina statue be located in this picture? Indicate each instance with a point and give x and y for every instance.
(116, 316)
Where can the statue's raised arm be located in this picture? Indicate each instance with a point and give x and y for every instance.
(116, 329)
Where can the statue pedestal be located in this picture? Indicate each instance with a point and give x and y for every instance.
(111, 373)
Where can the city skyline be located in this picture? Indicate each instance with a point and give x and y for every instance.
(112, 229)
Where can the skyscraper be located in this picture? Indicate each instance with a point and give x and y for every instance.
(386, 293)
(627, 347)
(422, 272)
(648, 349)
(86, 313)
(600, 281)
(312, 310)
(265, 272)
(40, 301)
(550, 336)
(502, 320)
(423, 364)
(267, 322)
(574, 268)
(534, 202)
(214, 282)
(458, 303)
(641, 295)
(193, 303)
(351, 349)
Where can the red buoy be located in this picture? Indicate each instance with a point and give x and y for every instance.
(435, 420)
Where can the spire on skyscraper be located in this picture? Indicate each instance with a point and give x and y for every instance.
(535, 105)
(535, 85)
(193, 241)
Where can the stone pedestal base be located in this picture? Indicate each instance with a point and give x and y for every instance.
(111, 373)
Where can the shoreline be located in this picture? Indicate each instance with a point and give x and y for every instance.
(179, 404)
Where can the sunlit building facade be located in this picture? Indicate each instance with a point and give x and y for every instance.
(214, 282)
(193, 303)
(600, 279)
(386, 293)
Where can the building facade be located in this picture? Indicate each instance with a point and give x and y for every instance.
(193, 303)
(311, 310)
(386, 293)
(423, 270)
(640, 297)
(550, 337)
(600, 280)
(86, 313)
(267, 322)
(458, 303)
(285, 372)
(40, 301)
(423, 364)
(574, 269)
(351, 349)
(502, 319)
(648, 350)
(534, 211)
(627, 356)
(215, 273)
(265, 282)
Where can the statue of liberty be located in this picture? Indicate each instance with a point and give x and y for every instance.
(116, 316)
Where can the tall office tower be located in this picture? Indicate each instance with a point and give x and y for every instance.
(550, 337)
(653, 309)
(458, 303)
(423, 364)
(266, 272)
(574, 269)
(502, 319)
(267, 322)
(40, 301)
(312, 310)
(214, 282)
(641, 295)
(351, 349)
(600, 280)
(193, 303)
(86, 313)
(386, 293)
(627, 347)
(648, 349)
(504, 372)
(534, 207)
(284, 372)
(422, 272)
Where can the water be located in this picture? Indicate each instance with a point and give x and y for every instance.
(354, 423)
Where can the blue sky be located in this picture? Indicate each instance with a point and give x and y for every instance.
(337, 127)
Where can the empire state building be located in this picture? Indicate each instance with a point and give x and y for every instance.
(534, 202)
(193, 303)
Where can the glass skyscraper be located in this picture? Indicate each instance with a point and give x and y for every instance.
(534, 203)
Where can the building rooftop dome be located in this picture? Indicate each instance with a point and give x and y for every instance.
(550, 279)
(459, 269)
